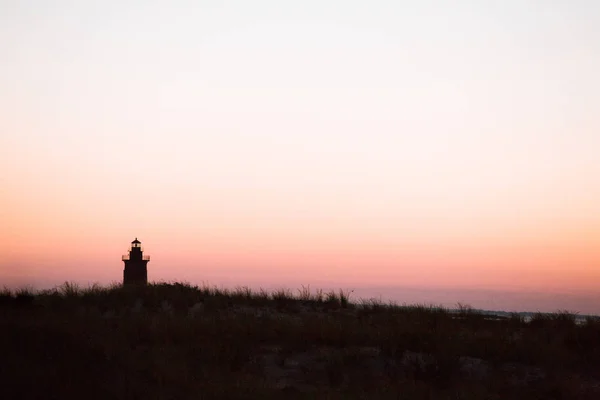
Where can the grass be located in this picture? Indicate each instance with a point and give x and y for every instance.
(143, 342)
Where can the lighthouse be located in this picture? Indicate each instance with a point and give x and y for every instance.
(136, 271)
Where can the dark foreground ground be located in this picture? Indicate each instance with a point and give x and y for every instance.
(175, 341)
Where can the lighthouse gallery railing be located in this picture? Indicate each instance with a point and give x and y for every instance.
(126, 258)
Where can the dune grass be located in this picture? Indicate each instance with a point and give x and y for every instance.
(180, 341)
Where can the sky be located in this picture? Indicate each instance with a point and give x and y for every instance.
(416, 151)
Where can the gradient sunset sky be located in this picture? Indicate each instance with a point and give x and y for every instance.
(421, 151)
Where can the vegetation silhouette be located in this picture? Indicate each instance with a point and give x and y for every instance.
(176, 340)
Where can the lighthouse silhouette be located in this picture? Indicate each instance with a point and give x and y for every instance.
(136, 271)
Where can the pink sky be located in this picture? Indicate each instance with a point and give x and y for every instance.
(436, 152)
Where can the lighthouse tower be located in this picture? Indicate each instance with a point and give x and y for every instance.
(135, 271)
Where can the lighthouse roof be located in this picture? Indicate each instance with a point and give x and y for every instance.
(136, 241)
